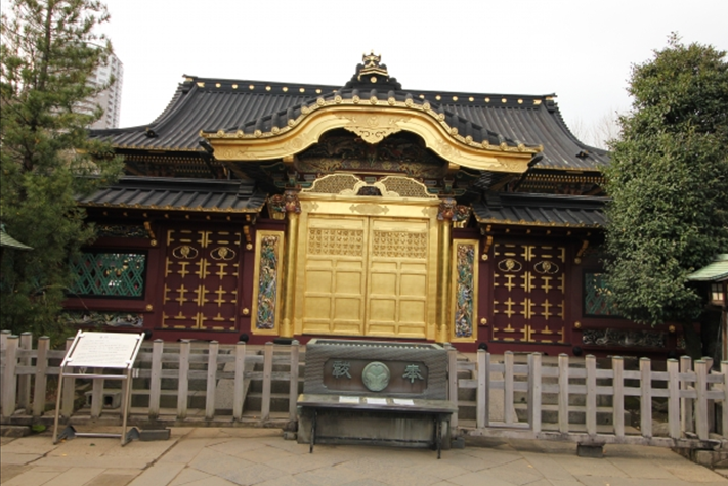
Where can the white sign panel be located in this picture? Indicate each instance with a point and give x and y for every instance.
(104, 350)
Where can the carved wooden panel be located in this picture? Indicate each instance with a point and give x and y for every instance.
(201, 279)
(529, 293)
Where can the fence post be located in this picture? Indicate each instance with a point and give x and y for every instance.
(97, 389)
(618, 395)
(673, 406)
(267, 371)
(686, 408)
(239, 382)
(701, 405)
(293, 393)
(481, 399)
(591, 395)
(645, 398)
(183, 380)
(69, 388)
(508, 388)
(563, 393)
(41, 378)
(155, 386)
(724, 405)
(211, 381)
(534, 392)
(23, 397)
(9, 383)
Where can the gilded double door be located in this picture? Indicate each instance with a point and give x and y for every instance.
(367, 276)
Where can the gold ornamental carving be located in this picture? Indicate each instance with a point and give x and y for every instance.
(373, 128)
(369, 209)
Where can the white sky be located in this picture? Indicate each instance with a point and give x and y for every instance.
(580, 50)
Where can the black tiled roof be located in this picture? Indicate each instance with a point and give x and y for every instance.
(541, 210)
(175, 194)
(216, 105)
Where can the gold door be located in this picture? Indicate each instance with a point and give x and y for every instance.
(397, 293)
(366, 276)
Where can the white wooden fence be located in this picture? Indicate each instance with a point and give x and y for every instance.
(536, 386)
(25, 373)
(690, 389)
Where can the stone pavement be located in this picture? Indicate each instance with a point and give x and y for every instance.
(218, 457)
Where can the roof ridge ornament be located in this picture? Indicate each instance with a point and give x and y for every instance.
(372, 73)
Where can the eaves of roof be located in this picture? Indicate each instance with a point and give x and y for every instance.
(542, 210)
(7, 241)
(714, 272)
(253, 107)
(177, 194)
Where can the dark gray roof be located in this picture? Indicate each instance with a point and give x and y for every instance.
(541, 210)
(177, 194)
(215, 104)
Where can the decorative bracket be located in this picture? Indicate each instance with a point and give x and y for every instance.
(580, 253)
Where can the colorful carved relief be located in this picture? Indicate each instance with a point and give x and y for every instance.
(641, 338)
(464, 290)
(268, 278)
(122, 230)
(446, 211)
(100, 318)
(201, 279)
(403, 153)
(529, 294)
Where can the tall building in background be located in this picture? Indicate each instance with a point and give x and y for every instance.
(109, 99)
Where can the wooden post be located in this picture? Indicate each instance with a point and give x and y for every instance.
(673, 404)
(645, 398)
(724, 405)
(701, 404)
(686, 408)
(563, 393)
(155, 387)
(509, 410)
(41, 379)
(239, 382)
(481, 398)
(293, 390)
(183, 381)
(534, 392)
(591, 395)
(9, 383)
(97, 399)
(618, 395)
(69, 388)
(452, 376)
(23, 397)
(211, 381)
(267, 370)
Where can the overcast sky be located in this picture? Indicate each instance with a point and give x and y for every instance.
(580, 50)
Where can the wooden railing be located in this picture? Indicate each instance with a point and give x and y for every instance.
(696, 398)
(25, 374)
(528, 387)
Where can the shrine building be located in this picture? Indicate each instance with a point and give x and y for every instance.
(263, 210)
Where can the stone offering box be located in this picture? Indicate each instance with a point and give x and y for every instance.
(376, 392)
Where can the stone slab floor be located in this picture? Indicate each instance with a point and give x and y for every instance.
(220, 457)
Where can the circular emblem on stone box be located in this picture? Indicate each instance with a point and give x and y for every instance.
(375, 376)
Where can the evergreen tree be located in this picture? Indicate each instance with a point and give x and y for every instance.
(48, 53)
(669, 184)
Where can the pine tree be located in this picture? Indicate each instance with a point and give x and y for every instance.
(49, 51)
(669, 184)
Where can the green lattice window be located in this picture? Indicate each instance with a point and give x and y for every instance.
(597, 300)
(110, 274)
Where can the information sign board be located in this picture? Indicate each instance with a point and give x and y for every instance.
(105, 350)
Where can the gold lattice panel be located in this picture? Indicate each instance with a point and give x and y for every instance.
(201, 279)
(406, 187)
(399, 244)
(335, 241)
(333, 184)
(529, 293)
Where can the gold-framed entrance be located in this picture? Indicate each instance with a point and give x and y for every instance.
(367, 265)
